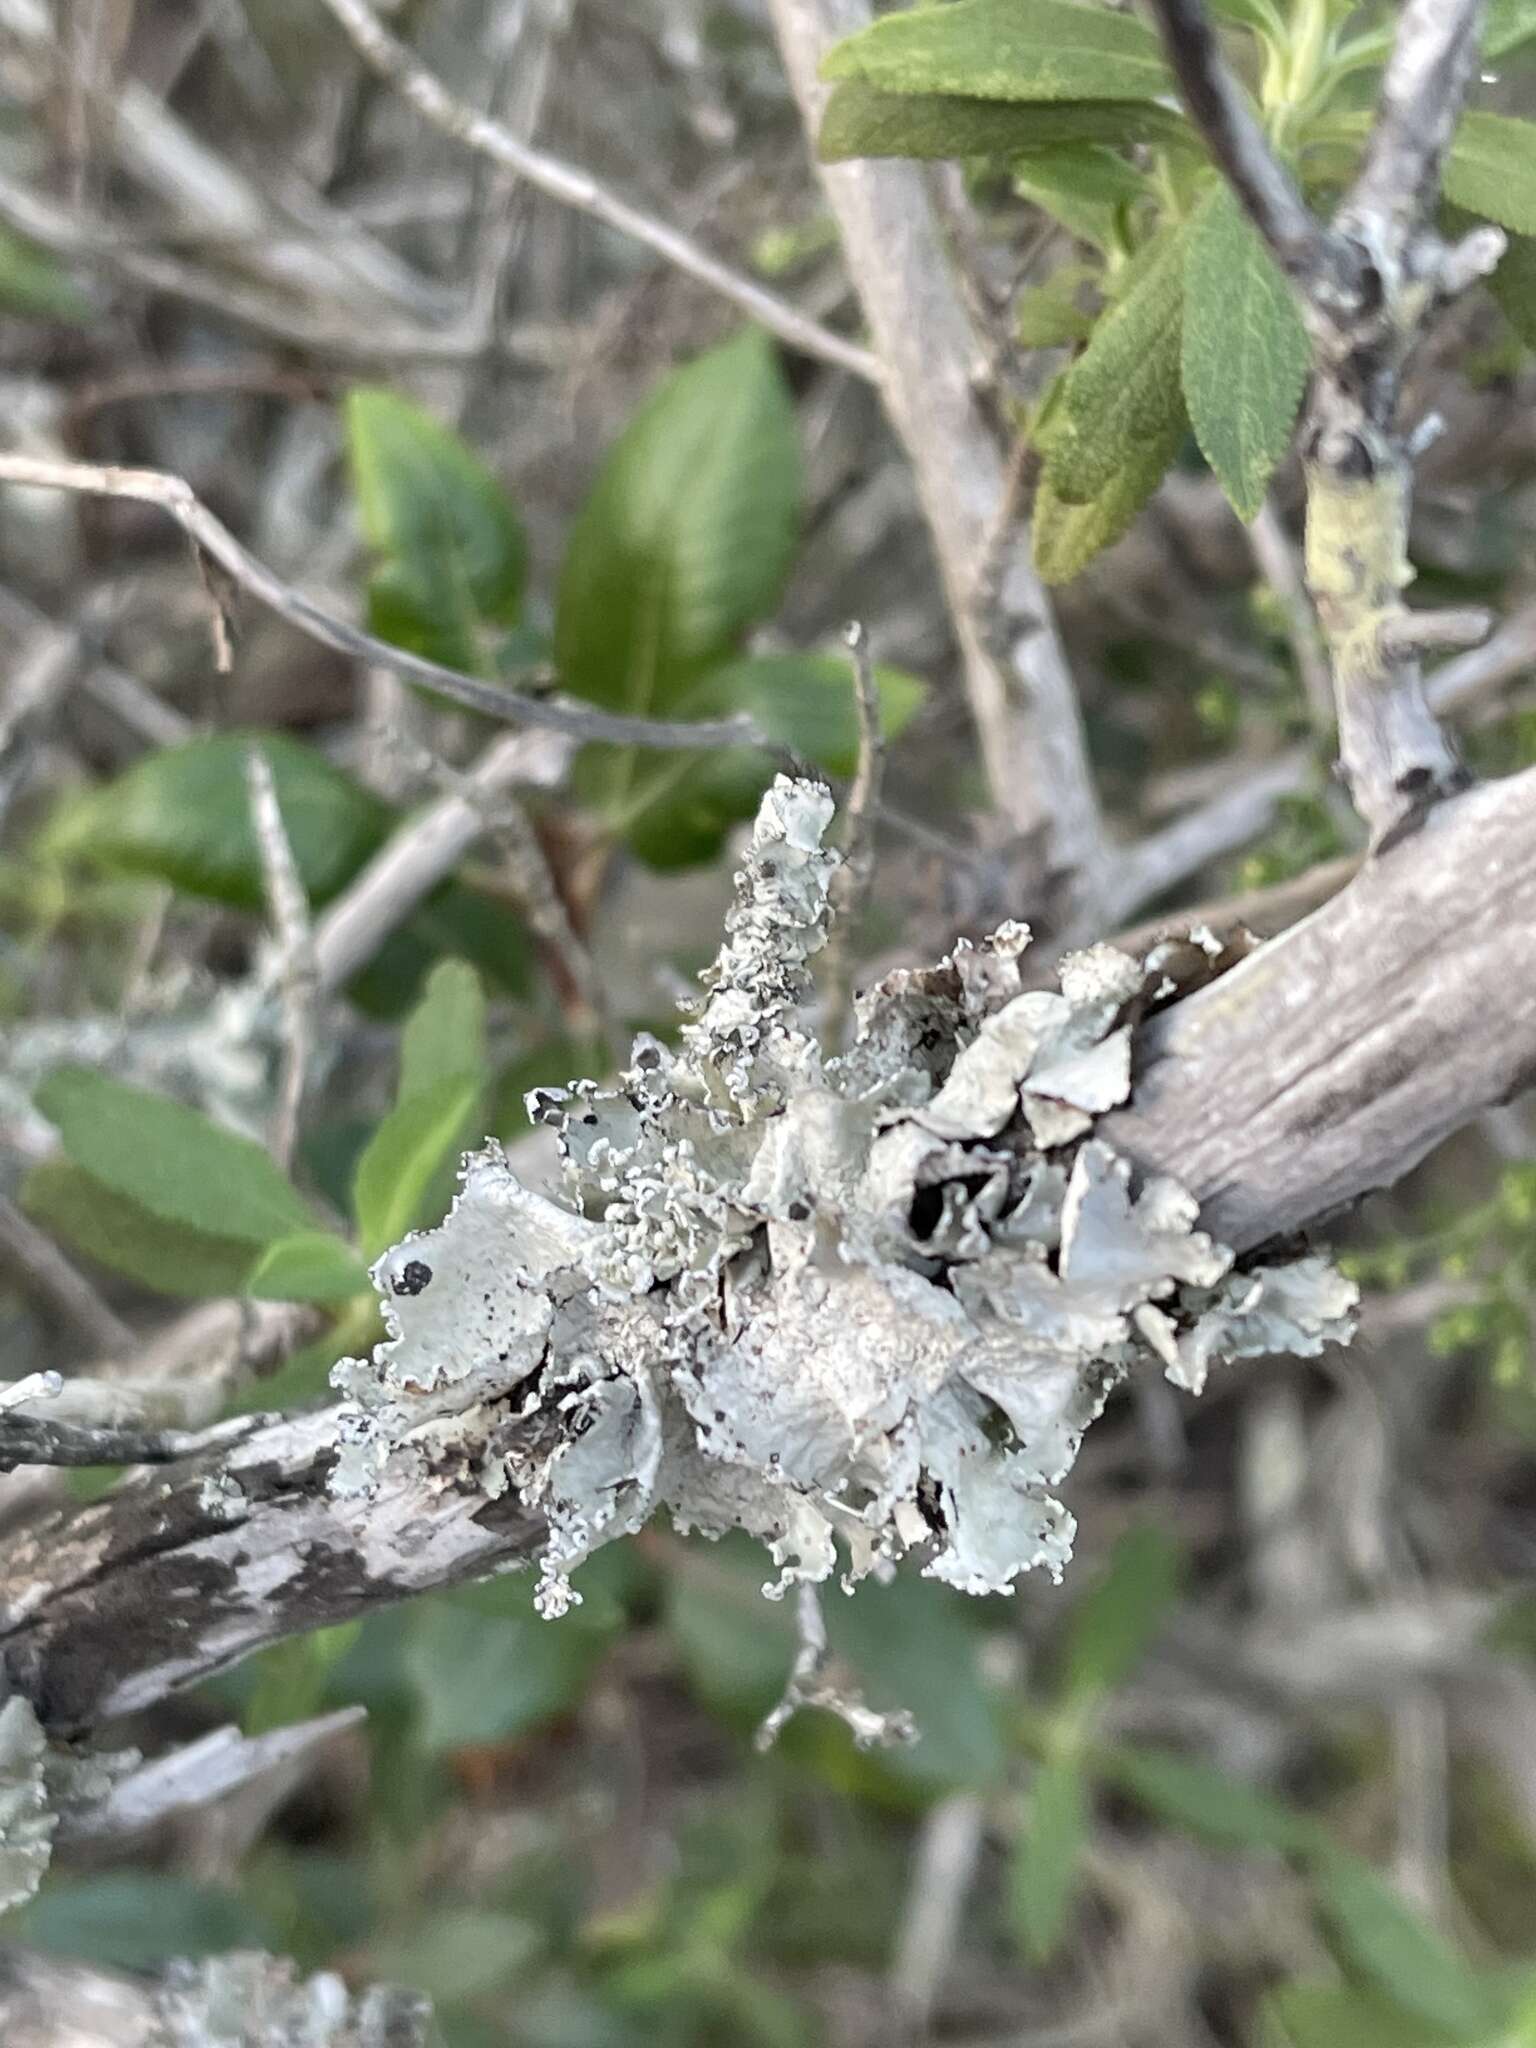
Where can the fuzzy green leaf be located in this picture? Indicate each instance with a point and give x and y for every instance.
(1007, 50)
(1115, 1622)
(172, 1161)
(166, 1257)
(451, 558)
(1207, 1803)
(1339, 2016)
(1491, 170)
(1088, 189)
(687, 535)
(183, 816)
(1513, 286)
(446, 1032)
(1245, 351)
(1047, 1855)
(1068, 536)
(404, 1157)
(1387, 1942)
(676, 811)
(863, 120)
(1123, 396)
(33, 286)
(1506, 25)
(1049, 316)
(310, 1266)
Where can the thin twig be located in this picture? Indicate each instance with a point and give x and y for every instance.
(288, 909)
(493, 700)
(948, 1848)
(423, 851)
(36, 1263)
(577, 188)
(1221, 110)
(850, 885)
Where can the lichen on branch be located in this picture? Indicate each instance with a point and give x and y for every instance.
(862, 1306)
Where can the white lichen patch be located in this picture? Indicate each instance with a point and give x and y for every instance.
(42, 1783)
(860, 1305)
(248, 2000)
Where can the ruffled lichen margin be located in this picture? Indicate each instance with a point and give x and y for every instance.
(862, 1305)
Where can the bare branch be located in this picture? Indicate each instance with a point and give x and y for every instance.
(1280, 567)
(1220, 109)
(425, 850)
(176, 497)
(1326, 1064)
(288, 909)
(1367, 284)
(573, 187)
(1023, 702)
(1421, 97)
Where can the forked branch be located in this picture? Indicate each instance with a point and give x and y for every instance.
(1368, 283)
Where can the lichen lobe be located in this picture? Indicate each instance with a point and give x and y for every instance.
(860, 1305)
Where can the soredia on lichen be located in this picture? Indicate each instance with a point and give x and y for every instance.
(858, 1305)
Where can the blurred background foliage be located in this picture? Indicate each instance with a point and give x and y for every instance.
(1261, 1770)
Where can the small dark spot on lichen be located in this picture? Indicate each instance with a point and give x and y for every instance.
(412, 1278)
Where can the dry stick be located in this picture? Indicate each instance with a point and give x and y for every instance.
(1367, 286)
(850, 885)
(288, 909)
(809, 1686)
(1168, 857)
(423, 852)
(576, 188)
(1327, 1064)
(1022, 698)
(176, 497)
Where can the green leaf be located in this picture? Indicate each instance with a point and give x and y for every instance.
(1491, 170)
(1116, 1621)
(687, 535)
(183, 816)
(451, 554)
(1007, 50)
(862, 120)
(139, 1920)
(1049, 316)
(1513, 286)
(807, 702)
(1068, 536)
(676, 811)
(33, 286)
(1089, 190)
(172, 1161)
(1338, 2016)
(446, 1032)
(418, 1137)
(1388, 1943)
(312, 1265)
(1506, 25)
(1123, 395)
(1207, 1803)
(1047, 1854)
(918, 1645)
(166, 1257)
(456, 1953)
(1245, 351)
(1258, 15)
(484, 1667)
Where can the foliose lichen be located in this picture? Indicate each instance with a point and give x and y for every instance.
(861, 1305)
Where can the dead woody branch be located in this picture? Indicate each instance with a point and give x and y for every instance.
(1369, 282)
(1325, 1065)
